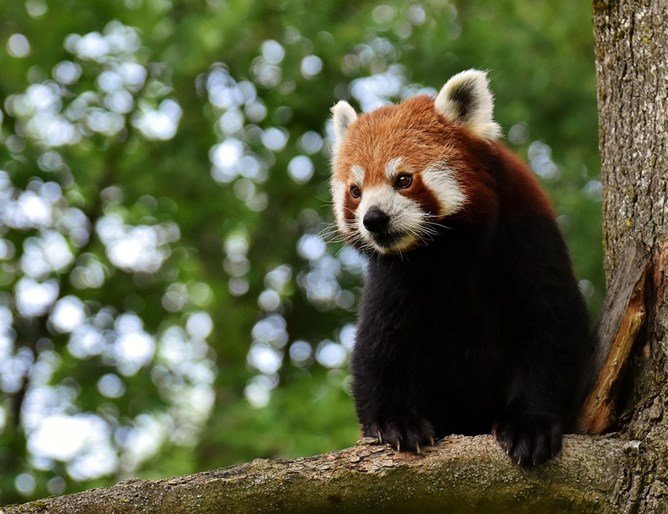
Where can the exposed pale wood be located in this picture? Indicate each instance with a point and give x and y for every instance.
(598, 413)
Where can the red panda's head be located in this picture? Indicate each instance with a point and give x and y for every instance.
(399, 172)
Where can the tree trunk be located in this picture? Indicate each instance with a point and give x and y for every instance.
(632, 68)
(623, 473)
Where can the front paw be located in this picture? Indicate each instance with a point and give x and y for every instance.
(411, 434)
(529, 440)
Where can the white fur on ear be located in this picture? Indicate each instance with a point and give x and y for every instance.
(466, 99)
(343, 116)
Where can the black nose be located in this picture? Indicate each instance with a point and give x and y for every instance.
(376, 221)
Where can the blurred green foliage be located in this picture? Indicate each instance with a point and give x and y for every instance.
(167, 303)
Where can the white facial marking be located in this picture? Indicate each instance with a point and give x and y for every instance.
(448, 191)
(358, 174)
(406, 216)
(339, 191)
(392, 168)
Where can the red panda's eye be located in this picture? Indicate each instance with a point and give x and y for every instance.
(355, 191)
(403, 181)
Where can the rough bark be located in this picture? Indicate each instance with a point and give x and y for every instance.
(632, 69)
(462, 474)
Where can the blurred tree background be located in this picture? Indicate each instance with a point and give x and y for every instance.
(167, 300)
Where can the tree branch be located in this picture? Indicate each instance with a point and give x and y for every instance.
(462, 474)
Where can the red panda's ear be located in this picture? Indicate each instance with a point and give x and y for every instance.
(465, 99)
(343, 116)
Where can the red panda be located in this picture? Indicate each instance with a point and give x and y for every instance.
(471, 320)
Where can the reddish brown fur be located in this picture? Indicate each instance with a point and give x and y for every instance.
(414, 131)
(420, 193)
(522, 192)
(349, 207)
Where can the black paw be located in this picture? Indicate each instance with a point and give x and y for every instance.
(529, 440)
(410, 435)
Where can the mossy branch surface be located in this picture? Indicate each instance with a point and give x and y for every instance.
(461, 474)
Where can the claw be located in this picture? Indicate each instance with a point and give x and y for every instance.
(379, 434)
(417, 445)
(431, 441)
(398, 446)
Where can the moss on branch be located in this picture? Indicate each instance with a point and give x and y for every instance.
(461, 474)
